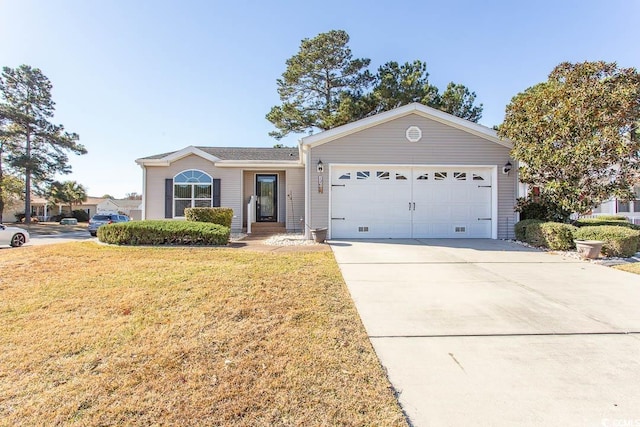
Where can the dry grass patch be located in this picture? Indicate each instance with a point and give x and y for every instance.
(97, 335)
(633, 267)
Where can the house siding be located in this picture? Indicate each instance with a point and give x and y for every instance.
(231, 180)
(386, 144)
(295, 202)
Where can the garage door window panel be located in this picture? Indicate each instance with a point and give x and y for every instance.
(440, 176)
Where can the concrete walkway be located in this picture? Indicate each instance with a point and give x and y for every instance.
(486, 332)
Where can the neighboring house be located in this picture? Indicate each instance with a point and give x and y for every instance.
(42, 209)
(630, 209)
(132, 208)
(410, 172)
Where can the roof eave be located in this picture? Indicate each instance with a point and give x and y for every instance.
(259, 163)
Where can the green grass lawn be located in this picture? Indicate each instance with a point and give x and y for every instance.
(100, 335)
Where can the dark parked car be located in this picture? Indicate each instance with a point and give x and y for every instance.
(102, 219)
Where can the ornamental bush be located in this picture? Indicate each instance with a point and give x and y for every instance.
(520, 228)
(558, 236)
(611, 218)
(606, 220)
(553, 235)
(540, 207)
(80, 215)
(167, 232)
(618, 241)
(222, 216)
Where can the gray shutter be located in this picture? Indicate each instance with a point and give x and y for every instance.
(216, 193)
(168, 198)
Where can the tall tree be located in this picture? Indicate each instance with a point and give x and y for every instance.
(459, 101)
(397, 85)
(68, 192)
(5, 177)
(40, 147)
(576, 134)
(316, 79)
(11, 188)
(324, 87)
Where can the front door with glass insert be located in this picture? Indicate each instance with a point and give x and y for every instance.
(267, 194)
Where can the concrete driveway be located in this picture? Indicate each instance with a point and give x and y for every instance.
(487, 332)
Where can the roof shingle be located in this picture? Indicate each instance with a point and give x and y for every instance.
(243, 153)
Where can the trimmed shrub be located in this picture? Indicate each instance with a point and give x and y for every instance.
(618, 241)
(599, 221)
(553, 235)
(159, 232)
(81, 215)
(520, 228)
(222, 216)
(612, 218)
(557, 236)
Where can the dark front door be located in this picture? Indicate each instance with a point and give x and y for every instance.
(267, 192)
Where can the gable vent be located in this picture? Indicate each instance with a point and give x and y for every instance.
(413, 134)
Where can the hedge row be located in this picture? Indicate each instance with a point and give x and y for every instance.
(164, 232)
(553, 235)
(606, 220)
(610, 218)
(222, 216)
(620, 240)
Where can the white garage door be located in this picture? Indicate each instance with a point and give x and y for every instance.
(403, 202)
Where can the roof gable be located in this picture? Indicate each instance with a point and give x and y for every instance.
(168, 158)
(414, 108)
(221, 155)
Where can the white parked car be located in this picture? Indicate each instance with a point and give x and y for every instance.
(13, 236)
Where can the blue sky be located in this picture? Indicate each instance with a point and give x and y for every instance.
(140, 77)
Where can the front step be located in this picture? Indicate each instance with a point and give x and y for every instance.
(268, 228)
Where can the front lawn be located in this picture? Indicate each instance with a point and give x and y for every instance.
(100, 335)
(631, 268)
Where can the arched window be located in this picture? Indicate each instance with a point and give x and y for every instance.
(191, 189)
